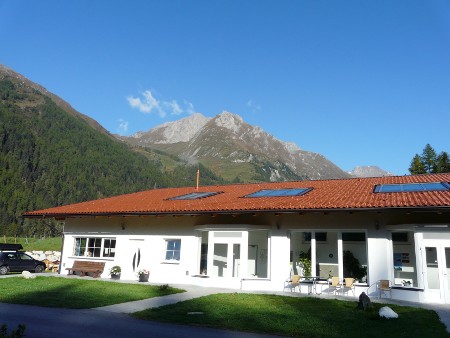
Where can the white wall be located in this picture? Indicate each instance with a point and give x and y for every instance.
(149, 234)
(380, 260)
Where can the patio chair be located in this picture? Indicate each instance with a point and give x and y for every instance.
(292, 283)
(384, 286)
(334, 285)
(349, 285)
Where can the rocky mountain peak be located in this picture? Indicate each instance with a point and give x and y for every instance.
(229, 121)
(173, 132)
(369, 171)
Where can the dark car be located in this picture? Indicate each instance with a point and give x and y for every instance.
(12, 260)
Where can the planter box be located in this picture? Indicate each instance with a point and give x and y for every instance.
(143, 277)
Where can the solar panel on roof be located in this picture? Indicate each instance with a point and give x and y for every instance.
(195, 195)
(279, 192)
(412, 187)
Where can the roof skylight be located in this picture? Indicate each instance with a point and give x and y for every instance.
(195, 195)
(412, 187)
(279, 192)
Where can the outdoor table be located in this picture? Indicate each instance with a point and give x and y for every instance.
(313, 281)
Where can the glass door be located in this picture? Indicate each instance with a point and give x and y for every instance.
(226, 260)
(437, 269)
(446, 273)
(432, 269)
(220, 260)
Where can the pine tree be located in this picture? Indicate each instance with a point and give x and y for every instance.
(429, 159)
(443, 163)
(417, 166)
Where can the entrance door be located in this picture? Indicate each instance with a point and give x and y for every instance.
(220, 261)
(446, 273)
(437, 268)
(133, 258)
(226, 260)
(252, 260)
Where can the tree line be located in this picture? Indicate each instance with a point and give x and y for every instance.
(429, 162)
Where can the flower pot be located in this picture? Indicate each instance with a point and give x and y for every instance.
(143, 277)
(117, 276)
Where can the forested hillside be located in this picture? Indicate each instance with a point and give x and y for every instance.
(49, 157)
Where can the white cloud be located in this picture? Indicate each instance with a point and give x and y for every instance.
(254, 107)
(122, 129)
(189, 107)
(174, 107)
(149, 104)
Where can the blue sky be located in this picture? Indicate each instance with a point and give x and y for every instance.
(360, 82)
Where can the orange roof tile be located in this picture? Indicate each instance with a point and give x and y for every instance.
(355, 193)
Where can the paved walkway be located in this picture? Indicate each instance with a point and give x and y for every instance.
(139, 305)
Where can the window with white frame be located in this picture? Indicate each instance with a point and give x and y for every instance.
(109, 247)
(173, 247)
(94, 247)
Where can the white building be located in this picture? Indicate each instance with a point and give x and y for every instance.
(251, 236)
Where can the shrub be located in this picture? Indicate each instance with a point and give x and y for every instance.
(18, 333)
(164, 287)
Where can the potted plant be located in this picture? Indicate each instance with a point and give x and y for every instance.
(115, 272)
(143, 275)
(304, 260)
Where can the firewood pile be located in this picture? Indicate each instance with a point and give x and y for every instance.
(50, 258)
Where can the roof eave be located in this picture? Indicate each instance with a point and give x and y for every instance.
(234, 212)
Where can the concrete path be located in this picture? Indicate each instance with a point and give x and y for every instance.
(139, 305)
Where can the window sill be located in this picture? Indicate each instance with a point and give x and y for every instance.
(255, 279)
(92, 258)
(170, 262)
(406, 288)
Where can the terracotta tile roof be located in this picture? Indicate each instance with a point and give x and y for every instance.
(355, 193)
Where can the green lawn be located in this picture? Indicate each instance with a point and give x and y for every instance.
(298, 317)
(270, 314)
(74, 293)
(30, 244)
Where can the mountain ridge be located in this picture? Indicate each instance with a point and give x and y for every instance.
(369, 171)
(6, 72)
(227, 137)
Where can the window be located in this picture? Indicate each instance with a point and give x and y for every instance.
(195, 195)
(354, 236)
(400, 237)
(320, 236)
(412, 187)
(109, 247)
(173, 247)
(94, 247)
(25, 257)
(279, 192)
